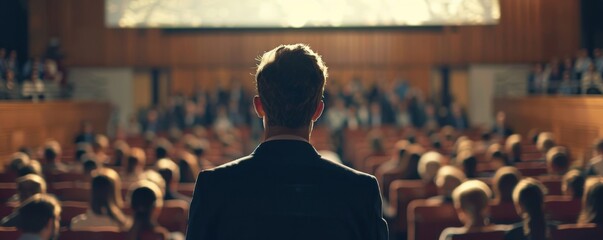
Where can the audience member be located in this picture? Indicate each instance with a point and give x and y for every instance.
(187, 164)
(592, 202)
(544, 143)
(86, 134)
(513, 148)
(557, 159)
(171, 175)
(163, 148)
(471, 203)
(146, 201)
(572, 184)
(591, 81)
(39, 218)
(99, 147)
(429, 164)
(529, 202)
(504, 181)
(120, 153)
(467, 162)
(134, 165)
(10, 88)
(27, 186)
(52, 158)
(500, 128)
(582, 62)
(595, 165)
(105, 203)
(447, 179)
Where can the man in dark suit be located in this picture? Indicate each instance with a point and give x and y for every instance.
(284, 189)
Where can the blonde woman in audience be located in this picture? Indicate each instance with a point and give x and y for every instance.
(592, 202)
(429, 164)
(528, 197)
(121, 152)
(545, 141)
(504, 181)
(467, 162)
(513, 148)
(447, 179)
(572, 184)
(134, 165)
(99, 146)
(471, 202)
(187, 164)
(105, 203)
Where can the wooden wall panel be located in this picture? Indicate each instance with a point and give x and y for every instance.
(27, 124)
(529, 31)
(575, 121)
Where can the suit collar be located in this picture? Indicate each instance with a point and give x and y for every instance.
(286, 149)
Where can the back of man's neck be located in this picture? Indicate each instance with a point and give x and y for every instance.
(273, 131)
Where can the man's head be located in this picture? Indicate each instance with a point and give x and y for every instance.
(169, 172)
(448, 178)
(290, 81)
(40, 215)
(545, 141)
(29, 185)
(572, 184)
(429, 164)
(557, 161)
(504, 181)
(52, 150)
(471, 201)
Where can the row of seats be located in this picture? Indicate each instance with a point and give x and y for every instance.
(96, 233)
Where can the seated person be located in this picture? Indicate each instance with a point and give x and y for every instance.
(188, 167)
(171, 174)
(572, 184)
(39, 218)
(528, 197)
(121, 152)
(199, 148)
(595, 165)
(544, 143)
(429, 164)
(501, 128)
(513, 148)
(557, 162)
(105, 205)
(146, 201)
(467, 162)
(592, 202)
(504, 182)
(27, 186)
(471, 203)
(163, 148)
(447, 179)
(52, 157)
(17, 161)
(496, 156)
(99, 147)
(134, 165)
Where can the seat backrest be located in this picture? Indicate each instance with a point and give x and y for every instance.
(77, 193)
(9, 233)
(402, 192)
(577, 231)
(427, 220)
(70, 209)
(186, 189)
(504, 213)
(7, 190)
(93, 233)
(490, 235)
(562, 208)
(553, 185)
(174, 215)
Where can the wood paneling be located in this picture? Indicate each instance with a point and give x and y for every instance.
(575, 121)
(529, 31)
(30, 124)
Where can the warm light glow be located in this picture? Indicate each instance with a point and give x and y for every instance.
(299, 13)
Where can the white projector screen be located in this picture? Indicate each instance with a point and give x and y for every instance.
(298, 13)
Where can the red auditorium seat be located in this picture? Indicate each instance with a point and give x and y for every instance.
(186, 189)
(402, 192)
(562, 208)
(373, 162)
(504, 214)
(552, 185)
(7, 177)
(9, 233)
(72, 193)
(67, 177)
(71, 209)
(93, 233)
(427, 220)
(577, 232)
(7, 190)
(5, 210)
(174, 215)
(492, 235)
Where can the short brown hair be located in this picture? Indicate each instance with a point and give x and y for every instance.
(290, 81)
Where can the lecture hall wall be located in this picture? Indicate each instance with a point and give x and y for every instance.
(529, 31)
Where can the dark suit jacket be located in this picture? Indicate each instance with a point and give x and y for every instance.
(285, 190)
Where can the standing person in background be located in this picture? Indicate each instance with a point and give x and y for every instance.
(10, 88)
(86, 134)
(591, 81)
(500, 128)
(598, 56)
(243, 195)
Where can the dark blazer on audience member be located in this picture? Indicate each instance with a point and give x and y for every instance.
(285, 190)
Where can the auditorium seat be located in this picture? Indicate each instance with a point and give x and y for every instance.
(92, 233)
(72, 193)
(577, 232)
(186, 189)
(174, 215)
(9, 233)
(7, 190)
(562, 208)
(504, 214)
(552, 185)
(5, 210)
(403, 192)
(70, 209)
(492, 235)
(67, 177)
(373, 162)
(7, 177)
(427, 220)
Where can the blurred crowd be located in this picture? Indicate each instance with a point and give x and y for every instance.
(570, 76)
